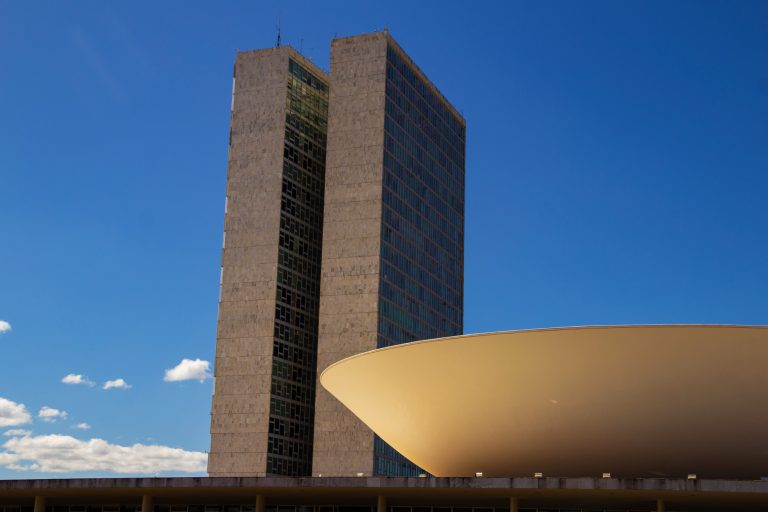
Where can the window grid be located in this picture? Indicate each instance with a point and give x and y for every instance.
(294, 355)
(422, 232)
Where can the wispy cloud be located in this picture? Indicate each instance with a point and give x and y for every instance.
(97, 64)
(4, 327)
(12, 414)
(17, 432)
(76, 378)
(82, 426)
(49, 414)
(60, 454)
(189, 369)
(116, 384)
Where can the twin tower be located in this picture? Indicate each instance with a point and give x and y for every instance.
(343, 232)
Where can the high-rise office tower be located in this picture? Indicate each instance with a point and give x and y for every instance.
(266, 345)
(393, 235)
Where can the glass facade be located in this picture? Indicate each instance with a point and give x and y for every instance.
(291, 414)
(422, 232)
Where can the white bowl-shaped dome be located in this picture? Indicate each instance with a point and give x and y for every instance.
(635, 401)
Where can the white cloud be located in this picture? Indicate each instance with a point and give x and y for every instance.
(76, 378)
(188, 369)
(116, 384)
(60, 454)
(12, 414)
(17, 432)
(4, 327)
(82, 426)
(50, 414)
(6, 459)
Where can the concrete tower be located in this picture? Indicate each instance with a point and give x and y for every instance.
(266, 344)
(393, 235)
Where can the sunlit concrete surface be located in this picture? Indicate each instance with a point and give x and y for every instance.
(632, 401)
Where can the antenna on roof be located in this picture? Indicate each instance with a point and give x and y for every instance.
(301, 44)
(278, 33)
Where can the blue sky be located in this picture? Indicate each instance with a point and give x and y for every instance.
(617, 172)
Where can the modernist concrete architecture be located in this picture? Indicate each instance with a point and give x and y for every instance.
(393, 235)
(261, 419)
(543, 420)
(629, 401)
(386, 211)
(376, 494)
(572, 401)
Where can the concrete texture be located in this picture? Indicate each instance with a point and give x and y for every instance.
(349, 287)
(244, 341)
(550, 493)
(350, 281)
(352, 239)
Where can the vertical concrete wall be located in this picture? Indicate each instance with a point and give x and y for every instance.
(244, 342)
(349, 288)
(349, 305)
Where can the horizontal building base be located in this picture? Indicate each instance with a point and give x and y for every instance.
(379, 494)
